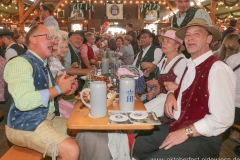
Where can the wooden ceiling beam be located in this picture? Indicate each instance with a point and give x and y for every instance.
(171, 7)
(58, 5)
(195, 3)
(213, 11)
(29, 11)
(21, 12)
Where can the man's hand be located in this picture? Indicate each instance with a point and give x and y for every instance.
(152, 83)
(74, 87)
(170, 86)
(149, 95)
(174, 138)
(169, 105)
(92, 61)
(74, 65)
(66, 83)
(148, 67)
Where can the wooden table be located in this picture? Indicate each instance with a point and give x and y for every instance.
(79, 119)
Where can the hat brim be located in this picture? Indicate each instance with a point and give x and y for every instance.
(152, 35)
(71, 33)
(213, 30)
(160, 38)
(5, 34)
(49, 7)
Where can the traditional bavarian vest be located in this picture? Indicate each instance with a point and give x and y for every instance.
(194, 103)
(29, 120)
(170, 77)
(74, 56)
(149, 57)
(189, 16)
(90, 55)
(20, 51)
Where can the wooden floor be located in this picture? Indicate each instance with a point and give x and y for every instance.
(226, 152)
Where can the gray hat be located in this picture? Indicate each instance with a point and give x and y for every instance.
(146, 31)
(50, 6)
(80, 32)
(6, 32)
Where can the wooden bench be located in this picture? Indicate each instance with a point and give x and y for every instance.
(21, 153)
(236, 126)
(1, 115)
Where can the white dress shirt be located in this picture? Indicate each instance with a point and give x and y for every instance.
(221, 88)
(233, 61)
(178, 69)
(157, 56)
(51, 21)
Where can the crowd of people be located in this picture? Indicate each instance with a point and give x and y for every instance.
(199, 96)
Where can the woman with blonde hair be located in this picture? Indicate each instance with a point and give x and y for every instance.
(229, 46)
(54, 64)
(62, 51)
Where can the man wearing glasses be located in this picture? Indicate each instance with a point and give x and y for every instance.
(33, 119)
(149, 54)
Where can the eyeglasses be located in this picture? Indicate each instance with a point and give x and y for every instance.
(143, 37)
(48, 36)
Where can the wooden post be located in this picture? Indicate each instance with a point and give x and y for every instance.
(90, 11)
(213, 11)
(138, 10)
(20, 11)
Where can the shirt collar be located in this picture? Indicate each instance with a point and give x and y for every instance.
(178, 15)
(74, 48)
(46, 19)
(44, 61)
(89, 44)
(146, 49)
(202, 58)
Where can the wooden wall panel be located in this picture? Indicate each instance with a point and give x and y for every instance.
(99, 9)
(131, 10)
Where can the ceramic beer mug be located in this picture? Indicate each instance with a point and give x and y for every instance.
(127, 94)
(105, 65)
(98, 99)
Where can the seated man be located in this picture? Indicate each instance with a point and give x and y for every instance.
(149, 53)
(33, 120)
(202, 106)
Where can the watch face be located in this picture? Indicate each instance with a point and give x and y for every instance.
(189, 131)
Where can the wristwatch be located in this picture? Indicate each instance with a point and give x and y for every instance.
(189, 131)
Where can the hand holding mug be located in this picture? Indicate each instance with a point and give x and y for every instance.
(74, 65)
